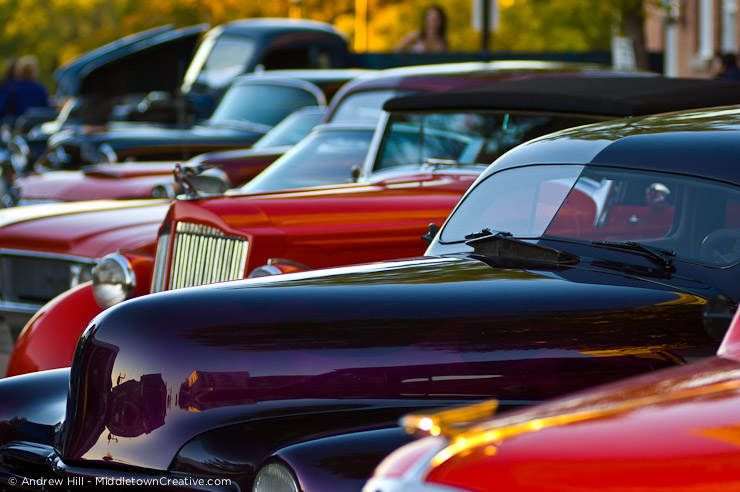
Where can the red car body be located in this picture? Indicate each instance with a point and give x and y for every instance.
(380, 218)
(136, 180)
(673, 430)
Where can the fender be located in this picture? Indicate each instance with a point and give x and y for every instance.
(33, 406)
(48, 340)
(342, 462)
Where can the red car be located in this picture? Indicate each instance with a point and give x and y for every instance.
(673, 430)
(77, 250)
(131, 180)
(399, 192)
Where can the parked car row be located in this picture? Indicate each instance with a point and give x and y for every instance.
(577, 258)
(421, 248)
(87, 232)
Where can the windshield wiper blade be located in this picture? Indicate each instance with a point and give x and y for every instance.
(659, 256)
(503, 244)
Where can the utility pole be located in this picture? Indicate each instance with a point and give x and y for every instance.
(486, 11)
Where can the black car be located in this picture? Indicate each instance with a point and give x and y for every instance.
(157, 76)
(580, 257)
(252, 105)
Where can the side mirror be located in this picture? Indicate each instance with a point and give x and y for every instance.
(199, 179)
(431, 233)
(355, 174)
(212, 181)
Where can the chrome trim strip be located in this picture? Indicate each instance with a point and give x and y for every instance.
(49, 256)
(372, 152)
(19, 307)
(160, 262)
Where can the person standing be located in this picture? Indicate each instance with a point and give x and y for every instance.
(728, 68)
(24, 91)
(431, 38)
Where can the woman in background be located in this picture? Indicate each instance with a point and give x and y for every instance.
(431, 38)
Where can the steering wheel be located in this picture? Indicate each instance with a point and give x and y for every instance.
(721, 246)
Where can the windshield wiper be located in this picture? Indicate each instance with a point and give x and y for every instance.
(659, 256)
(504, 245)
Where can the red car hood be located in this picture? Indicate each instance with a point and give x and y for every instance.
(673, 430)
(111, 181)
(325, 208)
(87, 229)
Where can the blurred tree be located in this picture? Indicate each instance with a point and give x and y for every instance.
(58, 30)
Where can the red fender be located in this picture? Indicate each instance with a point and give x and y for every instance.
(48, 340)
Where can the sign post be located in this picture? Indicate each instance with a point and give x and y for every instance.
(485, 19)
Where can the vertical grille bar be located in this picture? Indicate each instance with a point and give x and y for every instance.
(160, 262)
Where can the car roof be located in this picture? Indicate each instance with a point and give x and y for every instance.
(276, 26)
(608, 96)
(413, 77)
(455, 75)
(328, 81)
(317, 74)
(703, 142)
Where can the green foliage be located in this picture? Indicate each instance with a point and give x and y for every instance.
(58, 30)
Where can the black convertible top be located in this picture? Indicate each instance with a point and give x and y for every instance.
(608, 96)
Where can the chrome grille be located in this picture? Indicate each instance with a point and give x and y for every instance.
(201, 255)
(38, 277)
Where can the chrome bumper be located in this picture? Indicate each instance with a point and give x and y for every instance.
(13, 317)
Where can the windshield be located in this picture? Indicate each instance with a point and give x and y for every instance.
(697, 218)
(463, 138)
(322, 158)
(219, 60)
(262, 104)
(292, 129)
(363, 107)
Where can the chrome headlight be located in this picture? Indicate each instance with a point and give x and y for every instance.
(113, 280)
(275, 478)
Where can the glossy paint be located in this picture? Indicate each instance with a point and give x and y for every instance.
(33, 405)
(440, 352)
(382, 221)
(138, 179)
(146, 142)
(103, 181)
(63, 231)
(354, 248)
(158, 382)
(84, 229)
(672, 430)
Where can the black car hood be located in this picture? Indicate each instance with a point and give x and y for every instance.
(152, 373)
(160, 55)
